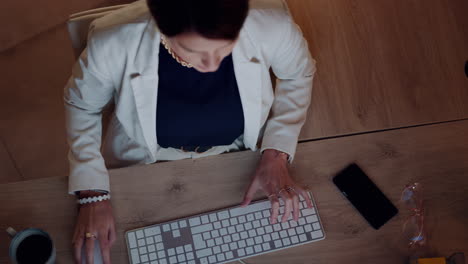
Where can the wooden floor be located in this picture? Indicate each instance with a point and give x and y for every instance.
(381, 64)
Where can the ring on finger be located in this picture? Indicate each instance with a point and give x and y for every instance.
(90, 235)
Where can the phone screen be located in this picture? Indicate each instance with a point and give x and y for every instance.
(365, 196)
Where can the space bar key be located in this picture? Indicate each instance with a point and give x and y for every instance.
(250, 209)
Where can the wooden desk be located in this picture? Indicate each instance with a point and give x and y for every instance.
(384, 64)
(436, 156)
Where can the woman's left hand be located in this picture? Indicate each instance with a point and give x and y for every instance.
(272, 176)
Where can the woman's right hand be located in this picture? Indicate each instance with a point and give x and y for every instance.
(97, 219)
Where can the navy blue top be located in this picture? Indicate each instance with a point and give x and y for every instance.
(197, 109)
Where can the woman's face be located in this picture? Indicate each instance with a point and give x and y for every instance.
(204, 54)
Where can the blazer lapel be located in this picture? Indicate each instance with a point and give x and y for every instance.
(144, 83)
(249, 81)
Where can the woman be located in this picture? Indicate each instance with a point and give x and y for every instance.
(182, 65)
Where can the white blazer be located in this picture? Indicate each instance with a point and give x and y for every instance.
(120, 64)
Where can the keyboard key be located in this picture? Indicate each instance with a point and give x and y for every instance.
(241, 252)
(182, 223)
(301, 221)
(180, 250)
(205, 219)
(189, 262)
(153, 256)
(217, 225)
(141, 242)
(308, 228)
(194, 221)
(235, 237)
(266, 237)
(300, 230)
(149, 240)
(181, 258)
(144, 258)
(240, 228)
(206, 235)
(139, 234)
(302, 237)
(285, 225)
(157, 239)
(244, 235)
(260, 231)
(224, 215)
(266, 213)
(316, 226)
(213, 218)
(202, 228)
(225, 223)
(131, 240)
(152, 231)
(220, 257)
(294, 239)
(233, 245)
(275, 235)
(250, 217)
(229, 255)
(166, 228)
(233, 221)
(135, 255)
(218, 241)
(151, 248)
(162, 261)
(159, 246)
(264, 222)
(308, 211)
(223, 231)
(227, 239)
(268, 229)
(173, 260)
(266, 246)
(311, 219)
(283, 234)
(198, 242)
(143, 250)
(258, 248)
(161, 254)
(286, 241)
(171, 252)
(251, 208)
(277, 227)
(190, 256)
(231, 230)
(216, 250)
(176, 233)
(174, 226)
(203, 261)
(248, 226)
(242, 244)
(293, 224)
(258, 240)
(210, 243)
(250, 241)
(204, 252)
(278, 244)
(316, 234)
(258, 215)
(242, 219)
(225, 248)
(212, 259)
(291, 232)
(249, 250)
(256, 223)
(215, 233)
(252, 233)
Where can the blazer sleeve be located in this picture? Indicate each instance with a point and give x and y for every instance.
(295, 69)
(87, 92)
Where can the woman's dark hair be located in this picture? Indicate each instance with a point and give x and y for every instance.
(213, 19)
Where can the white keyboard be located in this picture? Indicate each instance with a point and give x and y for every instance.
(223, 236)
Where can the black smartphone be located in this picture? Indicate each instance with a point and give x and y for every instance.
(365, 196)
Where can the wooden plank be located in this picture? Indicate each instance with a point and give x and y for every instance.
(384, 64)
(436, 156)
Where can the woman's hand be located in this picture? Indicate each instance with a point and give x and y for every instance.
(272, 176)
(98, 220)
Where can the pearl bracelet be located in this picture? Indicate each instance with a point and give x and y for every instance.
(94, 199)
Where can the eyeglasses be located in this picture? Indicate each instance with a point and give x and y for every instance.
(413, 227)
